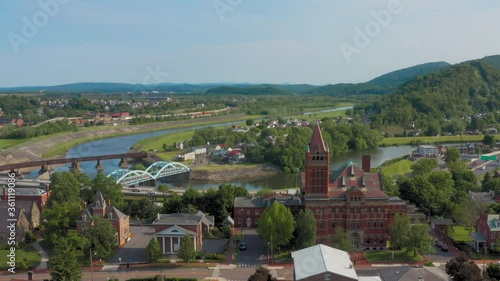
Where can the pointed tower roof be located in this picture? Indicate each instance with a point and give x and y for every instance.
(99, 198)
(317, 143)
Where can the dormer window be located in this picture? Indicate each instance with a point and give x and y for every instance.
(343, 181)
(110, 215)
(84, 217)
(97, 203)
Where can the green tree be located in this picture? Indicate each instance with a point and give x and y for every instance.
(493, 271)
(249, 122)
(65, 263)
(466, 212)
(262, 274)
(153, 251)
(462, 269)
(186, 249)
(305, 235)
(424, 166)
(163, 188)
(489, 140)
(109, 189)
(64, 187)
(58, 218)
(139, 166)
(340, 240)
(101, 237)
(276, 225)
(452, 154)
(418, 239)
(398, 231)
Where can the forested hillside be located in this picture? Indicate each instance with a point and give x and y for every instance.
(452, 93)
(492, 60)
(401, 76)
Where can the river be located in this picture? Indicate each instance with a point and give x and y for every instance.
(122, 144)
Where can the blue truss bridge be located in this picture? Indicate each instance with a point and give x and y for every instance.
(156, 171)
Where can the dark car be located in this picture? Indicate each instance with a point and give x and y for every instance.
(445, 248)
(243, 246)
(439, 244)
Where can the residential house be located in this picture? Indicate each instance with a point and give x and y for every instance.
(37, 195)
(228, 221)
(492, 131)
(213, 148)
(186, 156)
(441, 224)
(198, 150)
(427, 150)
(120, 221)
(235, 157)
(179, 145)
(22, 226)
(170, 228)
(350, 197)
(30, 209)
(487, 231)
(484, 198)
(320, 262)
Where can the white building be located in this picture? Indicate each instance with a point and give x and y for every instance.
(198, 150)
(427, 150)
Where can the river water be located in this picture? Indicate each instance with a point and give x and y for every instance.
(122, 144)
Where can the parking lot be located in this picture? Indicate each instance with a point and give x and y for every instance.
(135, 249)
(255, 249)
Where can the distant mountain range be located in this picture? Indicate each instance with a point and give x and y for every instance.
(383, 84)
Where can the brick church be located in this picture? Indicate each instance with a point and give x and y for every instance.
(351, 197)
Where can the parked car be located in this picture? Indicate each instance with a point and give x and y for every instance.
(439, 244)
(136, 190)
(445, 248)
(243, 246)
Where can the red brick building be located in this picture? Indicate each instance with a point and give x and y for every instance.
(120, 221)
(34, 194)
(247, 210)
(350, 197)
(487, 232)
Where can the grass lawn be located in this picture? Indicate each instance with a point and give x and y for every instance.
(6, 143)
(26, 254)
(399, 168)
(461, 233)
(441, 139)
(386, 256)
(168, 139)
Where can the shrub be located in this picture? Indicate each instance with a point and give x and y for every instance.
(30, 237)
(429, 263)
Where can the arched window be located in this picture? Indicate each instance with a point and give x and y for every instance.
(84, 217)
(110, 215)
(97, 203)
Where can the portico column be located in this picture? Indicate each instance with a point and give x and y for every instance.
(163, 244)
(171, 246)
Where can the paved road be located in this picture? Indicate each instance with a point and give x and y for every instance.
(255, 249)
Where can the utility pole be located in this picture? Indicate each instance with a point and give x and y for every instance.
(91, 266)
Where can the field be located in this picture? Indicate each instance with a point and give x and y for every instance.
(441, 139)
(6, 143)
(386, 256)
(26, 254)
(402, 167)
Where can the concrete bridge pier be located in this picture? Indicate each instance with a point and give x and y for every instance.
(43, 169)
(123, 163)
(99, 166)
(75, 167)
(15, 172)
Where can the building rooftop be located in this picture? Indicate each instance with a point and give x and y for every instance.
(29, 191)
(320, 259)
(179, 219)
(248, 202)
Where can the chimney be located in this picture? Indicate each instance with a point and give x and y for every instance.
(85, 204)
(158, 216)
(366, 163)
(109, 202)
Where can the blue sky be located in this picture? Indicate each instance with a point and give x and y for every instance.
(197, 41)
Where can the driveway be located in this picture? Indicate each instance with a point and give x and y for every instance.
(135, 249)
(255, 249)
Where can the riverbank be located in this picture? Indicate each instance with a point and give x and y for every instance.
(430, 140)
(57, 145)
